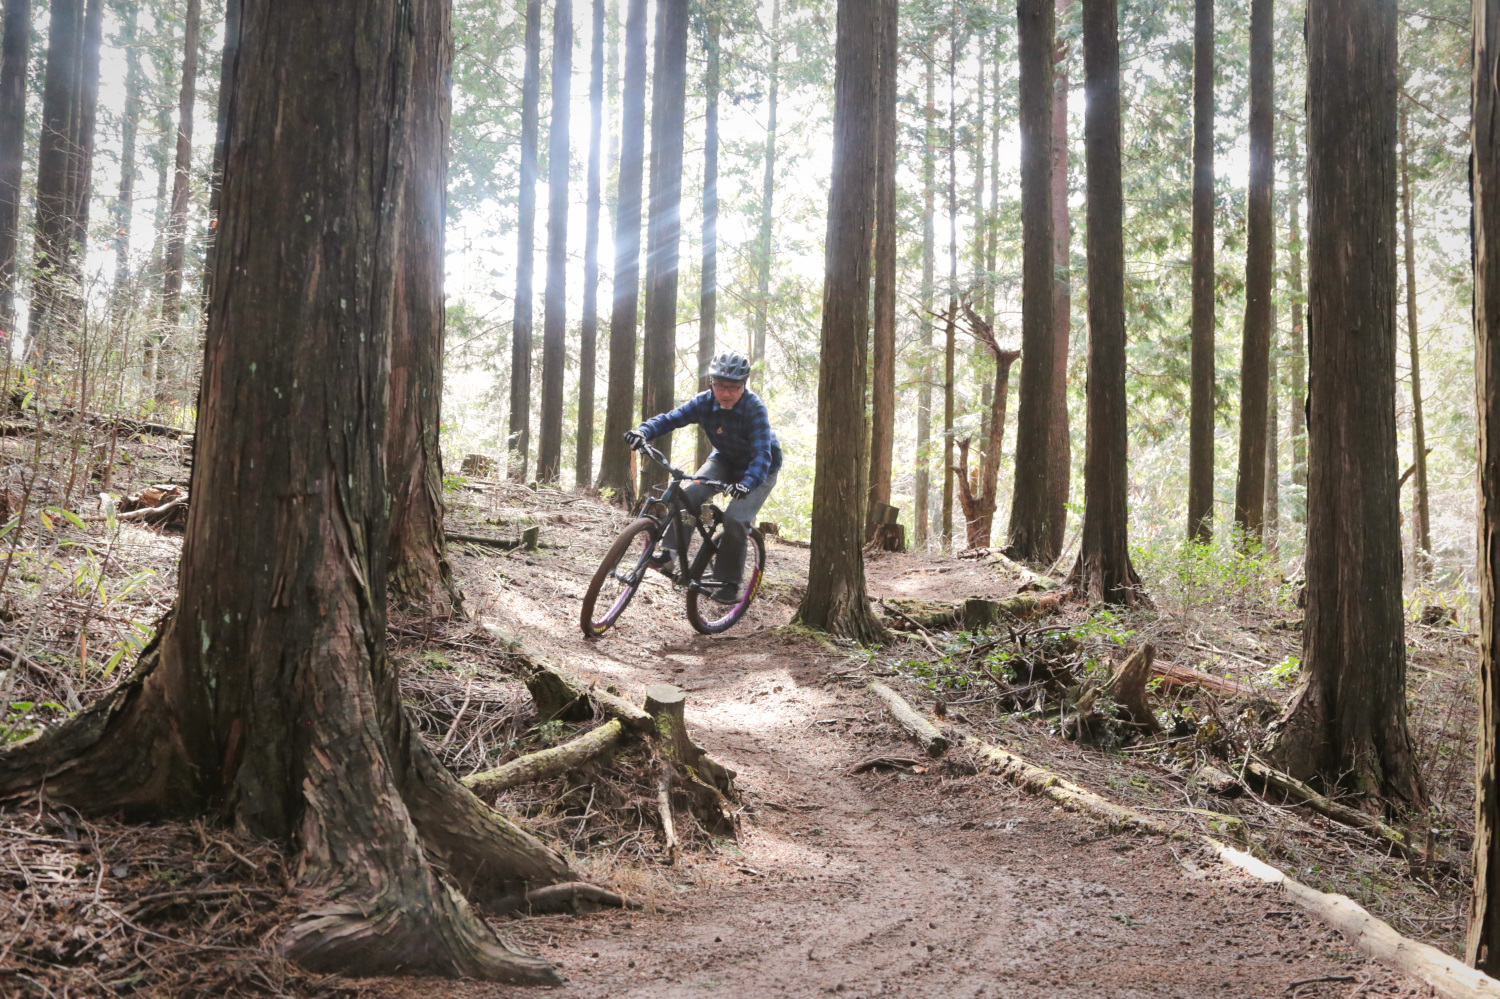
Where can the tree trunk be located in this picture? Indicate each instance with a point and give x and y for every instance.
(950, 328)
(619, 414)
(227, 67)
(1297, 410)
(979, 510)
(135, 80)
(1033, 536)
(836, 600)
(81, 186)
(921, 502)
(1422, 541)
(419, 576)
(1250, 484)
(1060, 467)
(767, 198)
(1103, 569)
(268, 698)
(1200, 508)
(1273, 459)
(883, 349)
(56, 277)
(555, 302)
(992, 223)
(14, 51)
(519, 430)
(176, 239)
(664, 226)
(1346, 722)
(709, 295)
(588, 340)
(1484, 188)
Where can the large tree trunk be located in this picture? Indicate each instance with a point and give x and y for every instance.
(14, 50)
(1273, 459)
(1346, 722)
(664, 225)
(619, 413)
(767, 198)
(1250, 483)
(135, 80)
(518, 443)
(836, 600)
(950, 328)
(1033, 535)
(883, 347)
(1200, 508)
(708, 296)
(1103, 569)
(268, 698)
(588, 339)
(227, 67)
(992, 223)
(56, 278)
(555, 301)
(1297, 408)
(1484, 188)
(921, 503)
(1422, 540)
(1060, 467)
(420, 578)
(182, 174)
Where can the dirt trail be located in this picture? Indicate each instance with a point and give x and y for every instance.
(943, 883)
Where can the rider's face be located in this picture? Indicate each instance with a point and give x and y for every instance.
(727, 393)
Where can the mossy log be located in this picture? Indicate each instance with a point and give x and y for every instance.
(925, 732)
(565, 698)
(547, 763)
(1267, 780)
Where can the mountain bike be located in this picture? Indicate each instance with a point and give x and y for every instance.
(695, 535)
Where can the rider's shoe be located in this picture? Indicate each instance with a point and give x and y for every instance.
(662, 561)
(723, 593)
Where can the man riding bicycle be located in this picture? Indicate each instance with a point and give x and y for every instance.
(746, 453)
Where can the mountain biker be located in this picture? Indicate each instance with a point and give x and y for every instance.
(746, 454)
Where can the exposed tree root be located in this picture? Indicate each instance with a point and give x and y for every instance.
(547, 763)
(933, 742)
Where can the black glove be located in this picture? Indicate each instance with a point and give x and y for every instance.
(738, 491)
(635, 439)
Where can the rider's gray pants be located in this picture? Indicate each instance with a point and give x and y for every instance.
(739, 517)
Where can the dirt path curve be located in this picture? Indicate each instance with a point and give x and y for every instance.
(941, 884)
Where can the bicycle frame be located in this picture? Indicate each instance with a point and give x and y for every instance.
(676, 504)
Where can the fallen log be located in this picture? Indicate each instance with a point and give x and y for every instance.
(1448, 976)
(565, 697)
(572, 896)
(974, 613)
(1267, 780)
(924, 731)
(1218, 782)
(1173, 676)
(526, 542)
(547, 763)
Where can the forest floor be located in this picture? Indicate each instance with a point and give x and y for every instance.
(933, 879)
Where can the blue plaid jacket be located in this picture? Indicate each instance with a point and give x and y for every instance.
(741, 436)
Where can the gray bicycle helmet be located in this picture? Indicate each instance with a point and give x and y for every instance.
(730, 365)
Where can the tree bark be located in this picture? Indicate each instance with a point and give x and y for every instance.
(182, 180)
(836, 600)
(883, 348)
(1422, 540)
(519, 431)
(81, 186)
(992, 223)
(950, 328)
(1346, 722)
(708, 296)
(921, 503)
(664, 226)
(1297, 409)
(588, 339)
(768, 197)
(1033, 536)
(268, 698)
(1273, 457)
(1060, 467)
(53, 254)
(1250, 483)
(14, 52)
(1103, 569)
(227, 66)
(979, 510)
(1200, 508)
(619, 414)
(555, 302)
(135, 80)
(419, 577)
(1483, 950)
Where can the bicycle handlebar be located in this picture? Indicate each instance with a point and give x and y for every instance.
(678, 473)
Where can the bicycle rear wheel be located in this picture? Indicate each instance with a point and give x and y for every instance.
(618, 577)
(708, 616)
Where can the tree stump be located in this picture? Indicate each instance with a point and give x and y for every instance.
(707, 784)
(1128, 688)
(478, 466)
(556, 699)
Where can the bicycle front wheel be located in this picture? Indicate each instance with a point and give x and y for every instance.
(618, 578)
(708, 616)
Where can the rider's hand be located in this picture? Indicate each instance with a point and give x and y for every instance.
(635, 439)
(738, 491)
